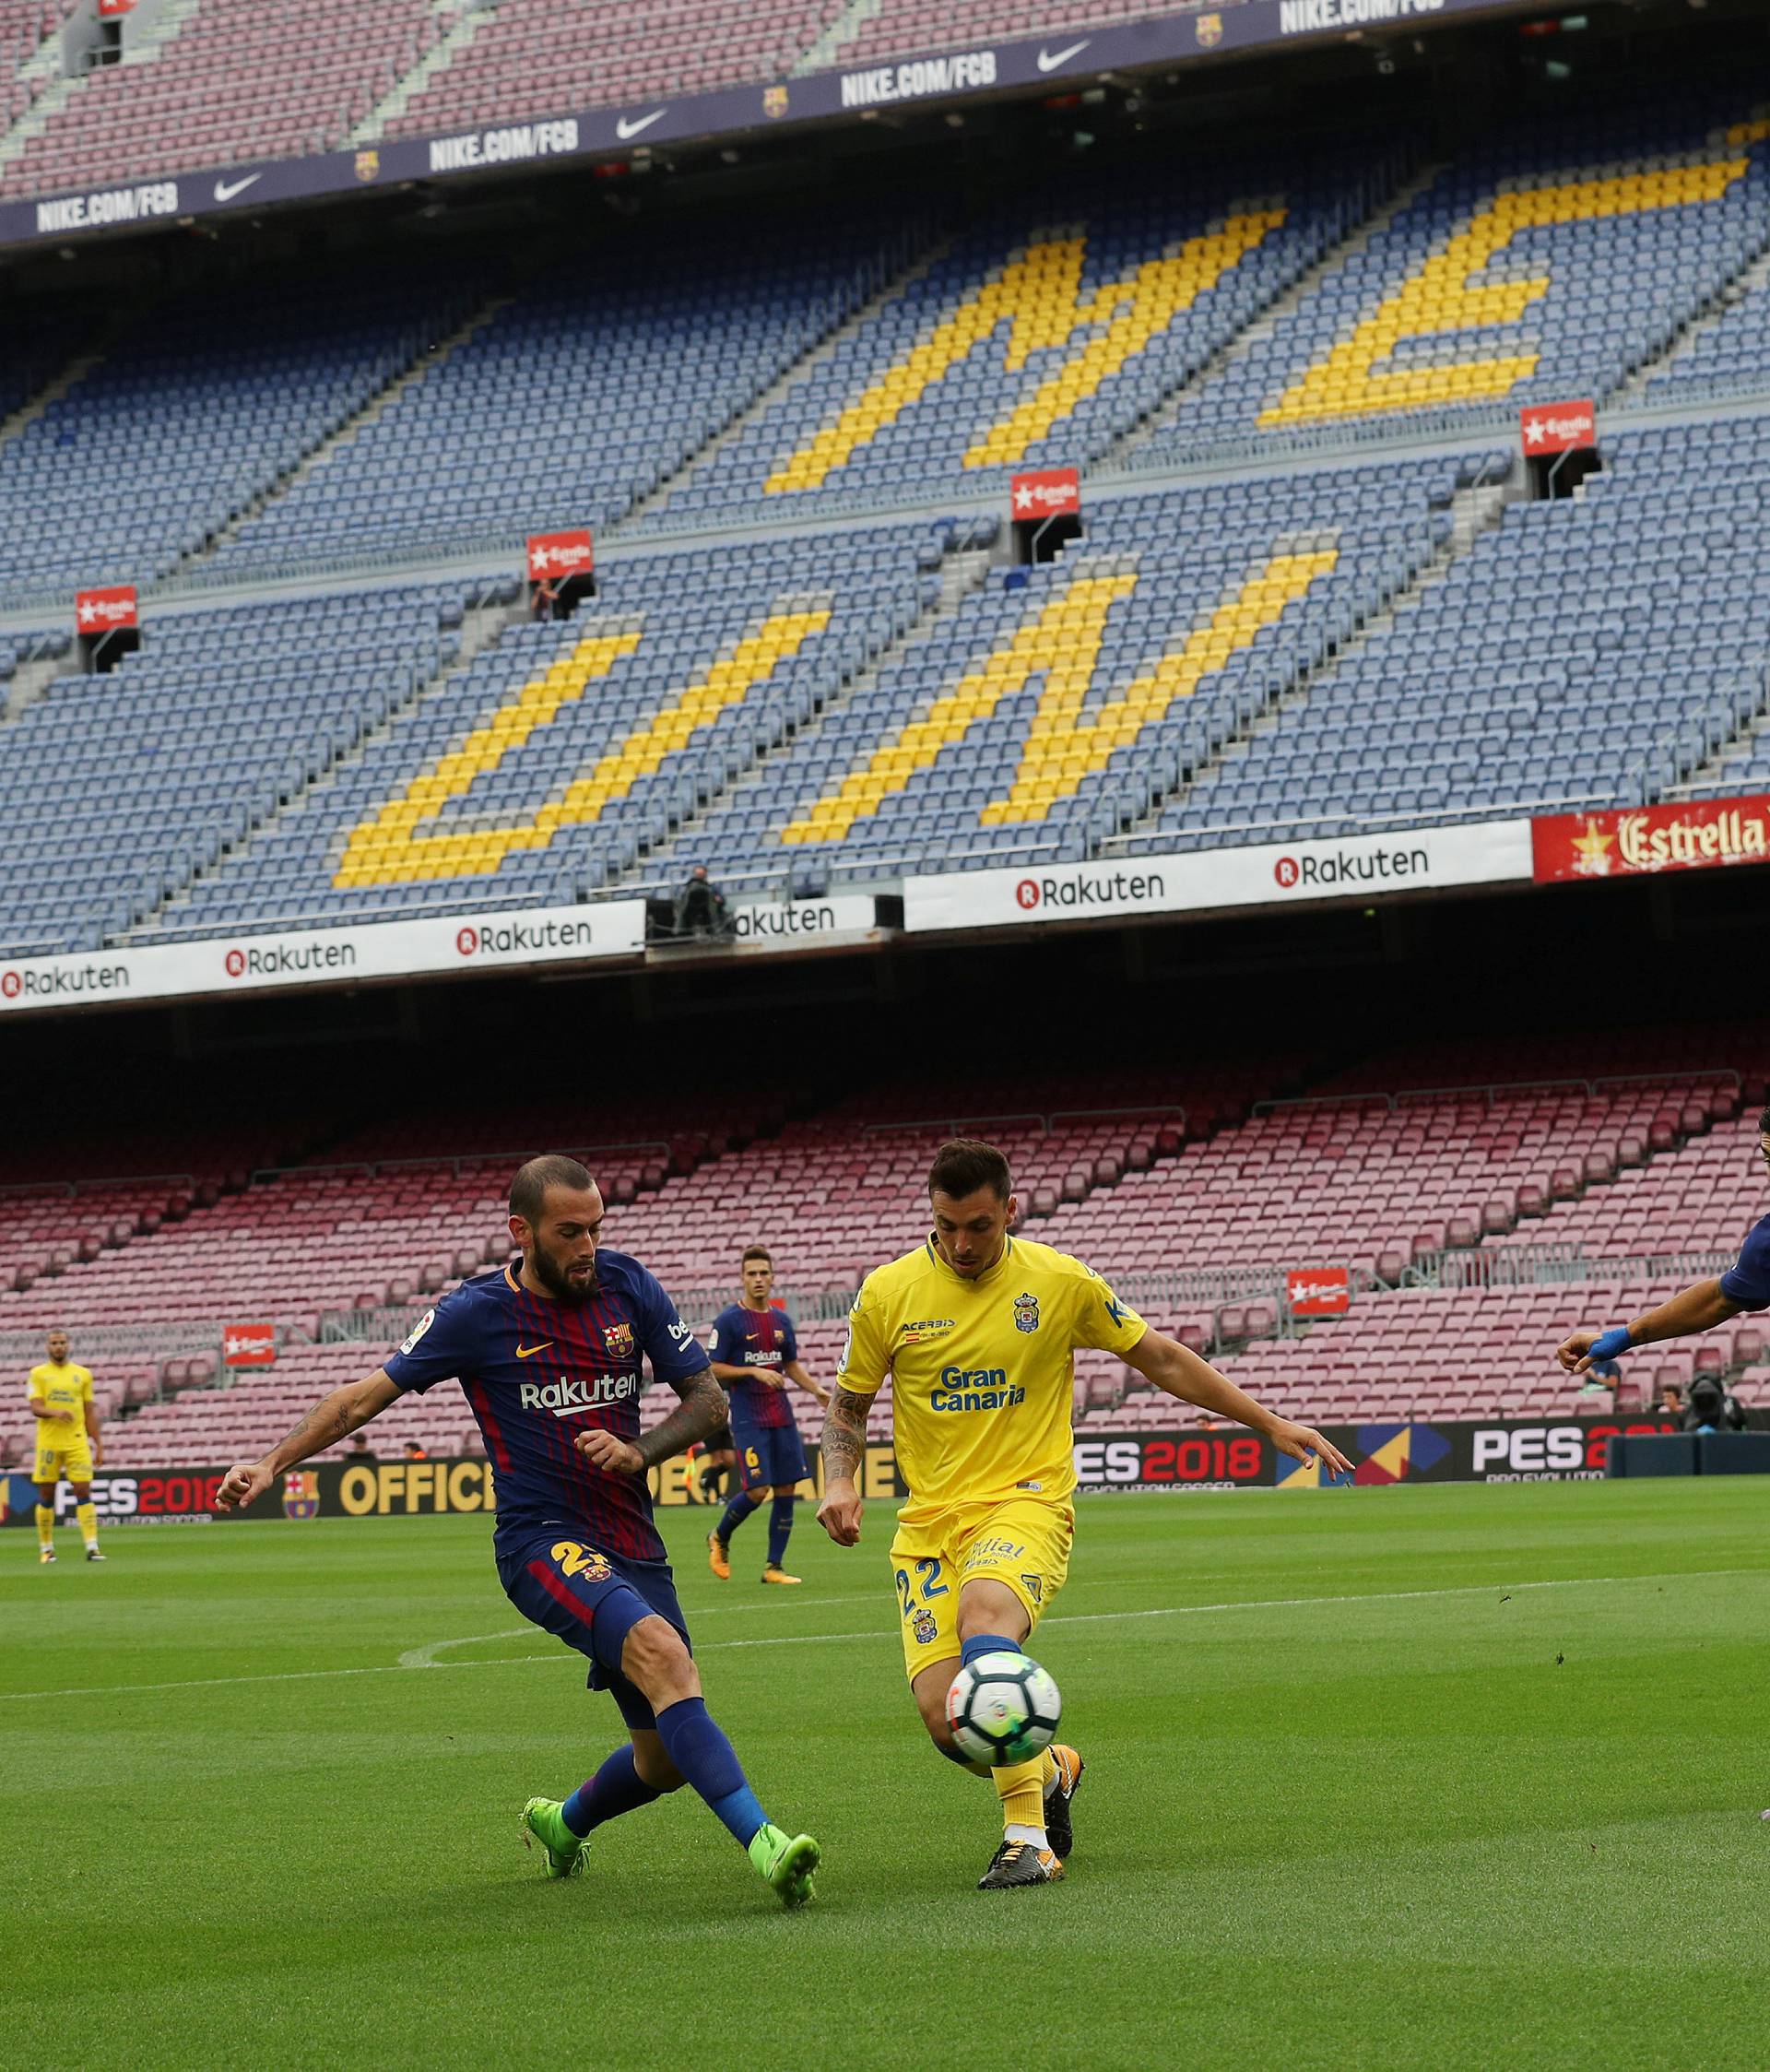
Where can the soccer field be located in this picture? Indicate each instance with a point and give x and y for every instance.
(1407, 1777)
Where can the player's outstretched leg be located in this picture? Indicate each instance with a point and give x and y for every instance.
(656, 1660)
(45, 1532)
(780, 1528)
(561, 1826)
(1062, 1780)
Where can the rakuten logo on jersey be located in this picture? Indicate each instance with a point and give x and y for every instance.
(570, 1399)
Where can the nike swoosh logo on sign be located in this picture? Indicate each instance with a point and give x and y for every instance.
(1050, 60)
(225, 189)
(528, 1352)
(626, 131)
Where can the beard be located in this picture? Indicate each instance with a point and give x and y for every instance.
(558, 1284)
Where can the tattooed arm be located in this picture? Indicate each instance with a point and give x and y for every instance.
(334, 1418)
(697, 1416)
(845, 1446)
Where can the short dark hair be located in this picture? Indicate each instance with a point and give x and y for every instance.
(552, 1168)
(962, 1165)
(1763, 1123)
(756, 1251)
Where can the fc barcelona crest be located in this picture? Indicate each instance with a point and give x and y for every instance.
(1026, 1312)
(1209, 28)
(367, 165)
(774, 102)
(301, 1494)
(619, 1338)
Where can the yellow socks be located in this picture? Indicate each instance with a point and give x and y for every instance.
(45, 1528)
(88, 1515)
(1021, 1791)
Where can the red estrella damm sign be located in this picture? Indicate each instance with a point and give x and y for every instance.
(249, 1345)
(1699, 835)
(1319, 1291)
(105, 611)
(555, 554)
(109, 7)
(1045, 492)
(1558, 428)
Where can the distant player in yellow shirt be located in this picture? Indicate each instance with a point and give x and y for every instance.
(978, 1331)
(68, 1443)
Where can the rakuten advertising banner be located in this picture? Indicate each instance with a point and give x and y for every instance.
(1705, 834)
(328, 956)
(1276, 874)
(776, 924)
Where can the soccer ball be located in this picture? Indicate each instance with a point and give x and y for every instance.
(1003, 1707)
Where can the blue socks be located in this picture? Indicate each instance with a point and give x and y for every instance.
(616, 1788)
(736, 1511)
(695, 1742)
(986, 1643)
(780, 1523)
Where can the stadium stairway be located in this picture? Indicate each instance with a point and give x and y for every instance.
(470, 18)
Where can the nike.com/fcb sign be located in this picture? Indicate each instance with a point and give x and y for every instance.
(1045, 492)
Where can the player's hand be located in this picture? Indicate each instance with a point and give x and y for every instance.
(243, 1486)
(1574, 1352)
(612, 1456)
(60, 1417)
(1300, 1441)
(839, 1513)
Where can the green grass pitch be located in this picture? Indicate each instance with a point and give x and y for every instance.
(1416, 1777)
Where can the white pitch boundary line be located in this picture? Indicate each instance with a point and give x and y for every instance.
(425, 1657)
(883, 1632)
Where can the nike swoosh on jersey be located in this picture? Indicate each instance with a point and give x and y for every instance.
(1048, 61)
(528, 1352)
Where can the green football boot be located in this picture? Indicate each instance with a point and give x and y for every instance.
(543, 1822)
(786, 1862)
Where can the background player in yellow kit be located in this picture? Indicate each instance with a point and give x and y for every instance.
(68, 1443)
(978, 1331)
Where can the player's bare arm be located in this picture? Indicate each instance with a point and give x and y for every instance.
(94, 1436)
(844, 1449)
(700, 1413)
(334, 1418)
(729, 1376)
(40, 1409)
(1182, 1373)
(795, 1372)
(1698, 1307)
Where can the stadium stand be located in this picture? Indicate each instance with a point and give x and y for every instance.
(169, 766)
(221, 82)
(905, 28)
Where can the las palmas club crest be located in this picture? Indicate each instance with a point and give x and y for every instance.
(1026, 1312)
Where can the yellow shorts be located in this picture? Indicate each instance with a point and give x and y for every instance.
(55, 1462)
(1024, 1544)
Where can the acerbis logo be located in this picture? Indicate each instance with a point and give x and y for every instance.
(236, 962)
(467, 941)
(1026, 894)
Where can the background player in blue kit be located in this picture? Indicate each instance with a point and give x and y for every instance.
(1700, 1307)
(549, 1351)
(755, 1354)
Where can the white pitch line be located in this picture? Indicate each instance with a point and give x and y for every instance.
(883, 1632)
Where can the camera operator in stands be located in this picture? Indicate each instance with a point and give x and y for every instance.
(1713, 1408)
(700, 909)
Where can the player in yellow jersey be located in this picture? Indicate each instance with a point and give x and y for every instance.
(68, 1443)
(978, 1331)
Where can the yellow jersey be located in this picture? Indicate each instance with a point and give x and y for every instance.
(67, 1387)
(982, 1371)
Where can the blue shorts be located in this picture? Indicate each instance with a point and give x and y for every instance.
(767, 1453)
(591, 1600)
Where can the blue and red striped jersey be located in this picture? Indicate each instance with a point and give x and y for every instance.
(757, 1338)
(537, 1372)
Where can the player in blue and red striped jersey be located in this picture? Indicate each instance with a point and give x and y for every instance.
(755, 1354)
(548, 1351)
